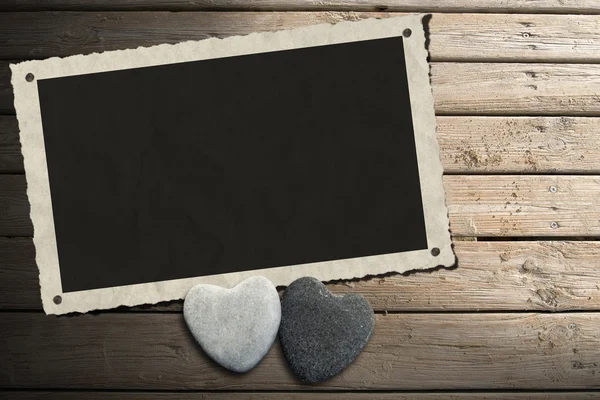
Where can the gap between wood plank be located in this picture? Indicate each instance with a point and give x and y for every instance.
(449, 6)
(135, 394)
(178, 310)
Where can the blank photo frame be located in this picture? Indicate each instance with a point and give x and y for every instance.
(306, 152)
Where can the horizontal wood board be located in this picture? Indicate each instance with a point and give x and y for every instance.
(482, 89)
(478, 205)
(406, 352)
(487, 6)
(497, 145)
(503, 275)
(98, 395)
(454, 37)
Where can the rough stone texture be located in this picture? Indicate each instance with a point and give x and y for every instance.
(235, 327)
(320, 333)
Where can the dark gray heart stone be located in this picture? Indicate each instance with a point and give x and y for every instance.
(320, 333)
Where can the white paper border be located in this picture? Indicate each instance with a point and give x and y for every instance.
(38, 189)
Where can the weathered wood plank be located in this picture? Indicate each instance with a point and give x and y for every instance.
(6, 91)
(19, 282)
(479, 206)
(11, 159)
(14, 206)
(517, 6)
(454, 37)
(467, 144)
(406, 352)
(516, 89)
(59, 395)
(552, 275)
(541, 275)
(523, 205)
(484, 89)
(519, 144)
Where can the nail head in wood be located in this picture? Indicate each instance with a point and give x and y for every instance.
(553, 189)
(553, 225)
(29, 77)
(435, 252)
(57, 299)
(406, 33)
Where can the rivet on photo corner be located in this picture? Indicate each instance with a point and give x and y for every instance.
(406, 33)
(29, 77)
(553, 225)
(435, 252)
(57, 299)
(553, 189)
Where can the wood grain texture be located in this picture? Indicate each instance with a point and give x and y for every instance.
(19, 281)
(467, 145)
(519, 276)
(6, 90)
(484, 89)
(406, 352)
(517, 6)
(516, 89)
(59, 395)
(454, 37)
(11, 159)
(519, 144)
(478, 205)
(438, 351)
(515, 205)
(14, 206)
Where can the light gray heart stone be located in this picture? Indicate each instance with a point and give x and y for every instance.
(235, 327)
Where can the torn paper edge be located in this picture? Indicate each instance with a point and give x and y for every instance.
(38, 187)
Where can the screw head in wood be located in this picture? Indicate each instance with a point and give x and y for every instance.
(57, 299)
(406, 33)
(553, 225)
(435, 252)
(29, 77)
(553, 189)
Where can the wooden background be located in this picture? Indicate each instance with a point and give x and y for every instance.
(517, 94)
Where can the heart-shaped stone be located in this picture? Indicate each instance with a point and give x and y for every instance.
(235, 327)
(320, 333)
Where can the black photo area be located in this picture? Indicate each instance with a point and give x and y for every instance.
(232, 164)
